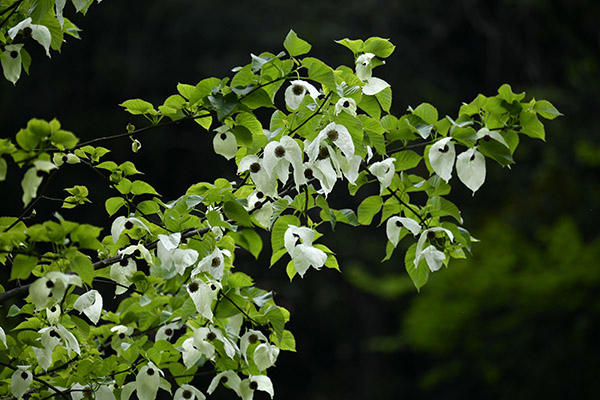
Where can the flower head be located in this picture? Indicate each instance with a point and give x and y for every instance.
(213, 264)
(298, 243)
(11, 62)
(188, 392)
(384, 171)
(278, 157)
(51, 288)
(39, 33)
(259, 174)
(335, 133)
(90, 304)
(346, 104)
(294, 94)
(225, 142)
(20, 381)
(173, 259)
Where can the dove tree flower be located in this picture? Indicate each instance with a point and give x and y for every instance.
(364, 68)
(384, 171)
(203, 294)
(20, 381)
(279, 155)
(51, 288)
(396, 224)
(11, 62)
(39, 33)
(298, 243)
(441, 158)
(228, 379)
(174, 260)
(224, 142)
(259, 174)
(49, 339)
(345, 104)
(122, 223)
(188, 392)
(337, 134)
(295, 92)
(470, 168)
(146, 385)
(90, 304)
(433, 257)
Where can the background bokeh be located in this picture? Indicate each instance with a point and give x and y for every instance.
(518, 320)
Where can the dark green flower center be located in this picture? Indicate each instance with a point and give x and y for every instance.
(253, 385)
(431, 235)
(223, 136)
(128, 225)
(333, 135)
(444, 149)
(121, 335)
(298, 90)
(49, 284)
(211, 336)
(193, 287)
(323, 153)
(399, 224)
(252, 338)
(223, 379)
(14, 54)
(137, 253)
(215, 262)
(123, 262)
(150, 371)
(279, 151)
(308, 173)
(187, 394)
(24, 375)
(254, 167)
(40, 173)
(487, 138)
(346, 104)
(260, 195)
(27, 31)
(54, 334)
(168, 331)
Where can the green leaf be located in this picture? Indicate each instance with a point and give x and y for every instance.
(440, 207)
(368, 208)
(506, 94)
(3, 168)
(249, 240)
(82, 265)
(240, 280)
(320, 72)
(532, 126)
(420, 274)
(27, 140)
(277, 320)
(223, 104)
(382, 48)
(22, 266)
(30, 183)
(64, 139)
(141, 187)
(546, 109)
(294, 45)
(235, 211)
(138, 106)
(406, 159)
(287, 342)
(113, 204)
(356, 46)
(427, 113)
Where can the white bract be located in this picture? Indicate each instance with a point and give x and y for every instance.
(166, 332)
(395, 224)
(120, 272)
(384, 171)
(441, 158)
(228, 379)
(213, 264)
(338, 135)
(53, 314)
(364, 67)
(147, 382)
(294, 94)
(172, 258)
(260, 176)
(11, 62)
(278, 155)
(253, 383)
(50, 338)
(486, 134)
(39, 33)
(225, 142)
(433, 257)
(121, 223)
(51, 288)
(346, 104)
(20, 381)
(90, 304)
(202, 295)
(188, 392)
(298, 243)
(470, 168)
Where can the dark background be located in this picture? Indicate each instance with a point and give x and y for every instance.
(517, 320)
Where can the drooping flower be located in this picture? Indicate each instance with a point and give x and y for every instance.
(338, 135)
(173, 259)
(364, 67)
(384, 171)
(263, 353)
(346, 104)
(11, 62)
(294, 94)
(190, 353)
(50, 338)
(121, 223)
(261, 208)
(394, 226)
(166, 332)
(225, 142)
(188, 392)
(298, 243)
(278, 155)
(120, 272)
(324, 172)
(433, 257)
(213, 264)
(60, 158)
(260, 176)
(228, 379)
(203, 294)
(147, 382)
(39, 33)
(441, 158)
(20, 381)
(486, 134)
(90, 304)
(253, 383)
(51, 288)
(53, 314)
(470, 168)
